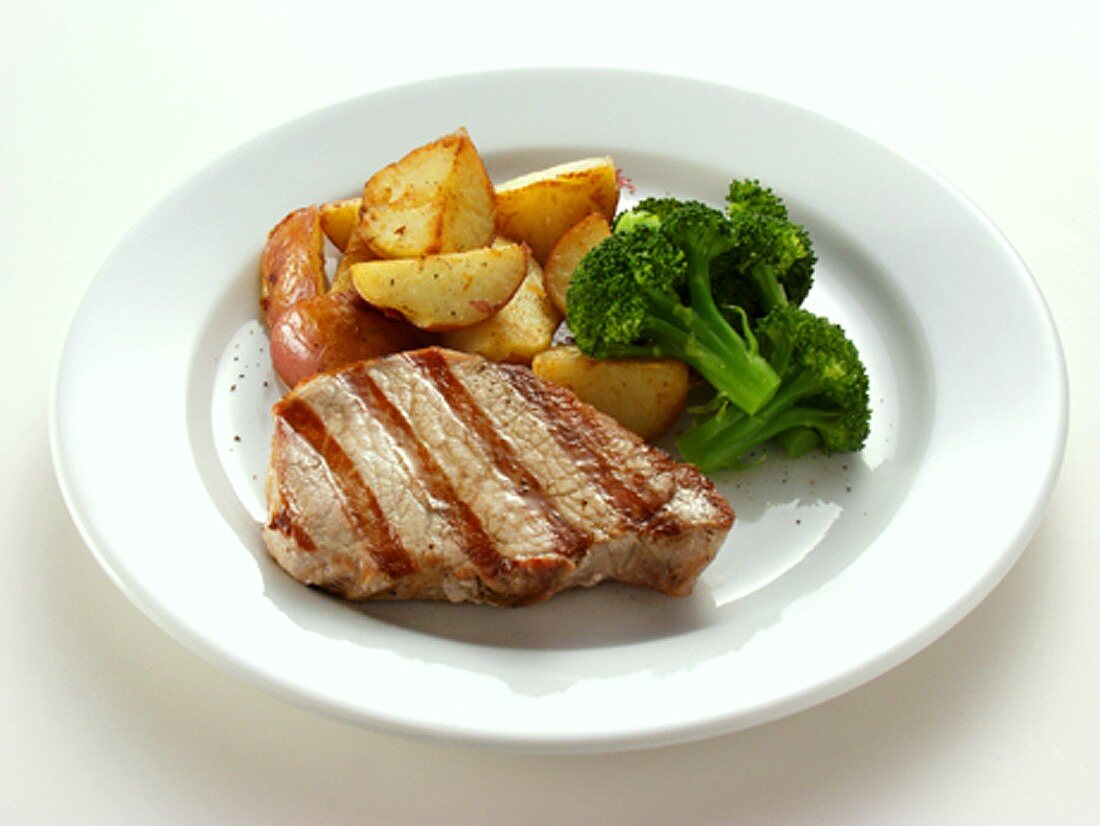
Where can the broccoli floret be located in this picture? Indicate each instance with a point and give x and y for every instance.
(749, 195)
(647, 211)
(646, 291)
(822, 401)
(773, 257)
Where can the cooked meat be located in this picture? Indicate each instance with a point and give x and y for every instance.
(432, 474)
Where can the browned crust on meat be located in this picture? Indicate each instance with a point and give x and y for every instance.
(477, 543)
(357, 499)
(434, 364)
(576, 428)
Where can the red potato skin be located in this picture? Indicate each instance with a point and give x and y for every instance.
(329, 331)
(292, 264)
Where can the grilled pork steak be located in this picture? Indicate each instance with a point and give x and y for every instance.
(433, 474)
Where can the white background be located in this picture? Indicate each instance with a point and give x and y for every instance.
(104, 719)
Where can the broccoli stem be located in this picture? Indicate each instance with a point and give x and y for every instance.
(724, 438)
(798, 441)
(702, 338)
(769, 289)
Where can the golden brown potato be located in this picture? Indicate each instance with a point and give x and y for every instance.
(438, 198)
(292, 264)
(338, 219)
(540, 207)
(646, 396)
(515, 333)
(331, 330)
(445, 291)
(357, 252)
(569, 251)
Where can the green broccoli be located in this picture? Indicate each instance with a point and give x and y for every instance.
(648, 211)
(773, 259)
(646, 291)
(749, 195)
(822, 401)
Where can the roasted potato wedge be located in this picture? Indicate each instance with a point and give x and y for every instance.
(646, 396)
(357, 252)
(569, 251)
(328, 331)
(538, 208)
(292, 264)
(338, 219)
(444, 291)
(438, 198)
(515, 333)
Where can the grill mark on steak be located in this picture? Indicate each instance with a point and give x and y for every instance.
(570, 540)
(472, 538)
(357, 499)
(287, 520)
(573, 431)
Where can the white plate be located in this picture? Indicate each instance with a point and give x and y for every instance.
(837, 568)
